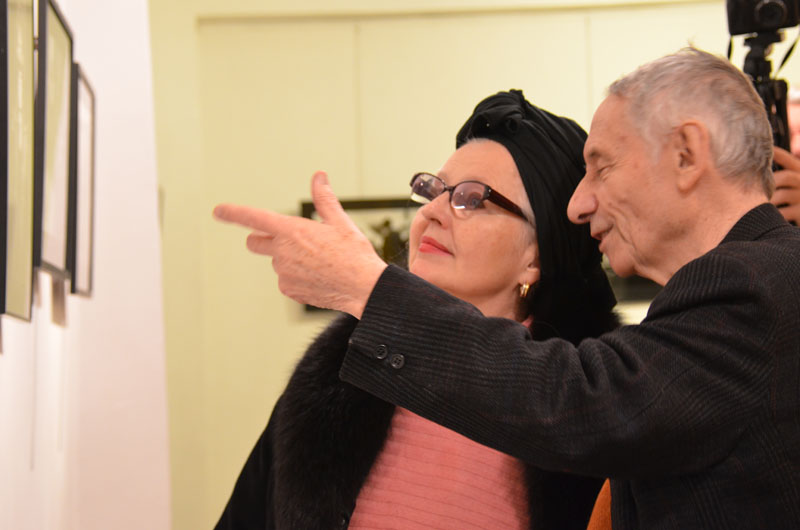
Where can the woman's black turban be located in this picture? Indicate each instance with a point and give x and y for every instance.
(548, 151)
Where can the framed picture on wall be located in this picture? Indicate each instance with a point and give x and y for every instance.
(52, 149)
(81, 184)
(16, 157)
(385, 222)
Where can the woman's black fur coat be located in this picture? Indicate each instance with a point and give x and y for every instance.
(307, 468)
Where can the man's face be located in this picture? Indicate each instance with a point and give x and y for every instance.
(624, 196)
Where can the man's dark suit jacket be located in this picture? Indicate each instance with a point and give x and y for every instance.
(694, 414)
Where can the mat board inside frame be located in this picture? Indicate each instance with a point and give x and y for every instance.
(17, 149)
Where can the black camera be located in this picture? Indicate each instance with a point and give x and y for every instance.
(755, 16)
(762, 22)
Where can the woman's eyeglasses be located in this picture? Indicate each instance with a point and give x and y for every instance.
(467, 195)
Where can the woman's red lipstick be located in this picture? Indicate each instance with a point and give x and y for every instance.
(431, 246)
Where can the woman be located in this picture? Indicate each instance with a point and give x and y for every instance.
(493, 231)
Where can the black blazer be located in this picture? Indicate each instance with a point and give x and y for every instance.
(694, 414)
(308, 466)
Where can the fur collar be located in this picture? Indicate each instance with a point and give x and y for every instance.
(328, 434)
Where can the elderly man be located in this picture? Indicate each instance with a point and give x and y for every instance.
(694, 413)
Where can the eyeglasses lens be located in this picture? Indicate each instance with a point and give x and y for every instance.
(425, 188)
(468, 196)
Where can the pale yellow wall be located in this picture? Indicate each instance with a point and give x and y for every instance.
(252, 96)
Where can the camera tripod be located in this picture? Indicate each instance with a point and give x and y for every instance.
(772, 91)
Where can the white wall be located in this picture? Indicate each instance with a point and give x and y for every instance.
(83, 418)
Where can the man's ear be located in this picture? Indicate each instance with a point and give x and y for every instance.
(692, 154)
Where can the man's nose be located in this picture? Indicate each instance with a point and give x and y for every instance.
(582, 204)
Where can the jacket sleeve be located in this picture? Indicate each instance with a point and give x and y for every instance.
(670, 395)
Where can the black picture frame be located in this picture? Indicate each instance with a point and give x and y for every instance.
(385, 222)
(16, 157)
(52, 149)
(80, 241)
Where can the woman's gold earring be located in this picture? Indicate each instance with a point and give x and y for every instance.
(523, 290)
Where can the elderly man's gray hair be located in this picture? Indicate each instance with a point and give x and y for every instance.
(693, 84)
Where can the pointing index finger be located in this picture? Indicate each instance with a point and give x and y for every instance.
(255, 218)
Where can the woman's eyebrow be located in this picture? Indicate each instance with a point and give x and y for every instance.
(444, 176)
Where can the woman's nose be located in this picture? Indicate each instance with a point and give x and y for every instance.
(438, 209)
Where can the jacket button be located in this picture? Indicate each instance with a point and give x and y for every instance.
(381, 352)
(397, 361)
(344, 520)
